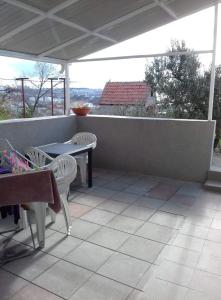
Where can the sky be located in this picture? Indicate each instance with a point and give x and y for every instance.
(196, 30)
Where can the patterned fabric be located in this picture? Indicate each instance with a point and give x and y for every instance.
(10, 159)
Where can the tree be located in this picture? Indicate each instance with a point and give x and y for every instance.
(182, 87)
(42, 72)
(180, 83)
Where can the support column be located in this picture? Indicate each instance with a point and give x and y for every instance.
(67, 90)
(213, 65)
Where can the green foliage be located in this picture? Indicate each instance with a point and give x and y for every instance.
(180, 85)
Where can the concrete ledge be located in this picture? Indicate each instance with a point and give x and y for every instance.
(172, 148)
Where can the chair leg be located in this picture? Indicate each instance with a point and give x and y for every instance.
(52, 215)
(23, 222)
(66, 213)
(40, 217)
(82, 162)
(30, 226)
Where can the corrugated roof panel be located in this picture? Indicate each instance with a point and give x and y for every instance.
(44, 5)
(90, 14)
(95, 13)
(11, 17)
(81, 48)
(40, 37)
(183, 8)
(147, 20)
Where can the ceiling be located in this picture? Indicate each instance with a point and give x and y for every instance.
(63, 31)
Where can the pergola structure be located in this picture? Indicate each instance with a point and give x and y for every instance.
(62, 32)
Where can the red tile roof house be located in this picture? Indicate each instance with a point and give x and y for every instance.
(119, 97)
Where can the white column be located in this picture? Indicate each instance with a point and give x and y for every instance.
(67, 89)
(213, 65)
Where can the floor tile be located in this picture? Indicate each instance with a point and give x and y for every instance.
(102, 192)
(136, 189)
(142, 248)
(161, 290)
(216, 224)
(156, 232)
(175, 273)
(59, 244)
(212, 248)
(149, 202)
(210, 263)
(190, 189)
(196, 295)
(24, 236)
(125, 269)
(31, 266)
(59, 223)
(206, 283)
(194, 230)
(78, 210)
(108, 237)
(82, 229)
(214, 235)
(98, 216)
(63, 279)
(138, 212)
(183, 199)
(199, 220)
(116, 185)
(10, 284)
(179, 255)
(163, 191)
(10, 248)
(101, 288)
(166, 219)
(175, 208)
(113, 206)
(125, 224)
(125, 197)
(89, 200)
(188, 242)
(89, 256)
(33, 292)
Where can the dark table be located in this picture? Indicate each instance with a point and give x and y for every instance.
(56, 149)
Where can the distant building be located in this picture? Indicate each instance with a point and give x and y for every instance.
(117, 95)
(126, 93)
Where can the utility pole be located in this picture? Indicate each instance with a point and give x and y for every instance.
(22, 79)
(52, 95)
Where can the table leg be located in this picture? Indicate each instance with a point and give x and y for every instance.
(89, 168)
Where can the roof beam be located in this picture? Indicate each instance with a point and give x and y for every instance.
(170, 53)
(168, 10)
(81, 28)
(31, 57)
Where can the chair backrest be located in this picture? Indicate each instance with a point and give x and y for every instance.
(85, 138)
(64, 168)
(39, 157)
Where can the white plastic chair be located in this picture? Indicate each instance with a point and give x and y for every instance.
(40, 158)
(64, 168)
(83, 138)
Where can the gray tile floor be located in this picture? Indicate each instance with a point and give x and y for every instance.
(134, 237)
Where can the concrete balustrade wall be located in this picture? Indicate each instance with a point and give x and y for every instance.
(178, 149)
(38, 131)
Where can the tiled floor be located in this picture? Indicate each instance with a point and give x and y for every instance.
(134, 237)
